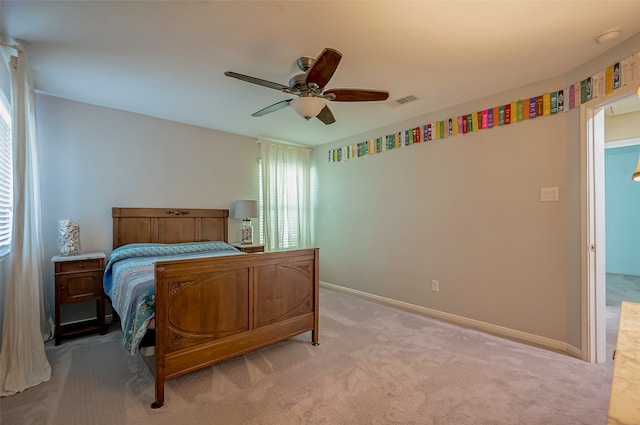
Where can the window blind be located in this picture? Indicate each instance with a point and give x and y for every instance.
(6, 176)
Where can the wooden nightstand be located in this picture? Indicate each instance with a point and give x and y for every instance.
(249, 247)
(78, 279)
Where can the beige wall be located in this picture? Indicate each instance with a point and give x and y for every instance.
(93, 159)
(467, 212)
(622, 127)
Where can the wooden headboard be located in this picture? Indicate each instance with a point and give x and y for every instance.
(168, 225)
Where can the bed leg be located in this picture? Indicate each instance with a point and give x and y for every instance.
(314, 338)
(159, 393)
(159, 398)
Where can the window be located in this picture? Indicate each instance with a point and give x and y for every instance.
(6, 180)
(284, 196)
(284, 218)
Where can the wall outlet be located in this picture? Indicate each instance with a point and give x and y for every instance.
(435, 285)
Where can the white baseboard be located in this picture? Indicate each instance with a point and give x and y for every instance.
(540, 341)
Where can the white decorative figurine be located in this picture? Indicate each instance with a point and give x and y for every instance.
(68, 237)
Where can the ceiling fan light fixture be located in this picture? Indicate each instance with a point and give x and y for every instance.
(307, 106)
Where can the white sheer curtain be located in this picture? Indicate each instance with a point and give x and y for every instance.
(23, 361)
(286, 196)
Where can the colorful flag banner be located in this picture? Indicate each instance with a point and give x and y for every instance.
(532, 107)
(453, 127)
(608, 75)
(586, 86)
(600, 84)
(546, 104)
(554, 103)
(520, 110)
(616, 75)
(539, 105)
(416, 134)
(604, 82)
(427, 133)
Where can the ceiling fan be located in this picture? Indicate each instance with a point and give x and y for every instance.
(309, 87)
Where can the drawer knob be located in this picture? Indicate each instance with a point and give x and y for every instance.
(80, 266)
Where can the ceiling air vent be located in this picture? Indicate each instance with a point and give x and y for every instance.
(402, 101)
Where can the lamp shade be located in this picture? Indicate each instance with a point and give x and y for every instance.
(307, 106)
(245, 209)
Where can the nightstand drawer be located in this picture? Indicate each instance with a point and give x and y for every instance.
(79, 265)
(80, 287)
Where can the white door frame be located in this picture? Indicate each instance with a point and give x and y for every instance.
(593, 224)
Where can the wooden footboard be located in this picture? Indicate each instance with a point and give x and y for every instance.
(213, 309)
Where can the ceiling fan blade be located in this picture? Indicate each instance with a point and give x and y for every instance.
(326, 116)
(356, 95)
(323, 68)
(272, 108)
(254, 80)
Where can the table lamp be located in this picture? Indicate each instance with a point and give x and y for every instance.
(246, 210)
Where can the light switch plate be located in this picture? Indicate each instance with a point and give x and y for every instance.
(548, 194)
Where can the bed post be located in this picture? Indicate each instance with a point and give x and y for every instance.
(316, 297)
(161, 337)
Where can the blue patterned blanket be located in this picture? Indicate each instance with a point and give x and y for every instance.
(129, 280)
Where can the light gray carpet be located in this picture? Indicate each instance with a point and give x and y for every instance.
(375, 365)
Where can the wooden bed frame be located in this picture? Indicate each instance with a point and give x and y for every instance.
(213, 309)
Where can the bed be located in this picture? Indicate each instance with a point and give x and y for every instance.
(207, 309)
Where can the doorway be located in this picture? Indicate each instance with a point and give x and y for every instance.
(594, 323)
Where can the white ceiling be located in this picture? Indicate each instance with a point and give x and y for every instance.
(167, 58)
